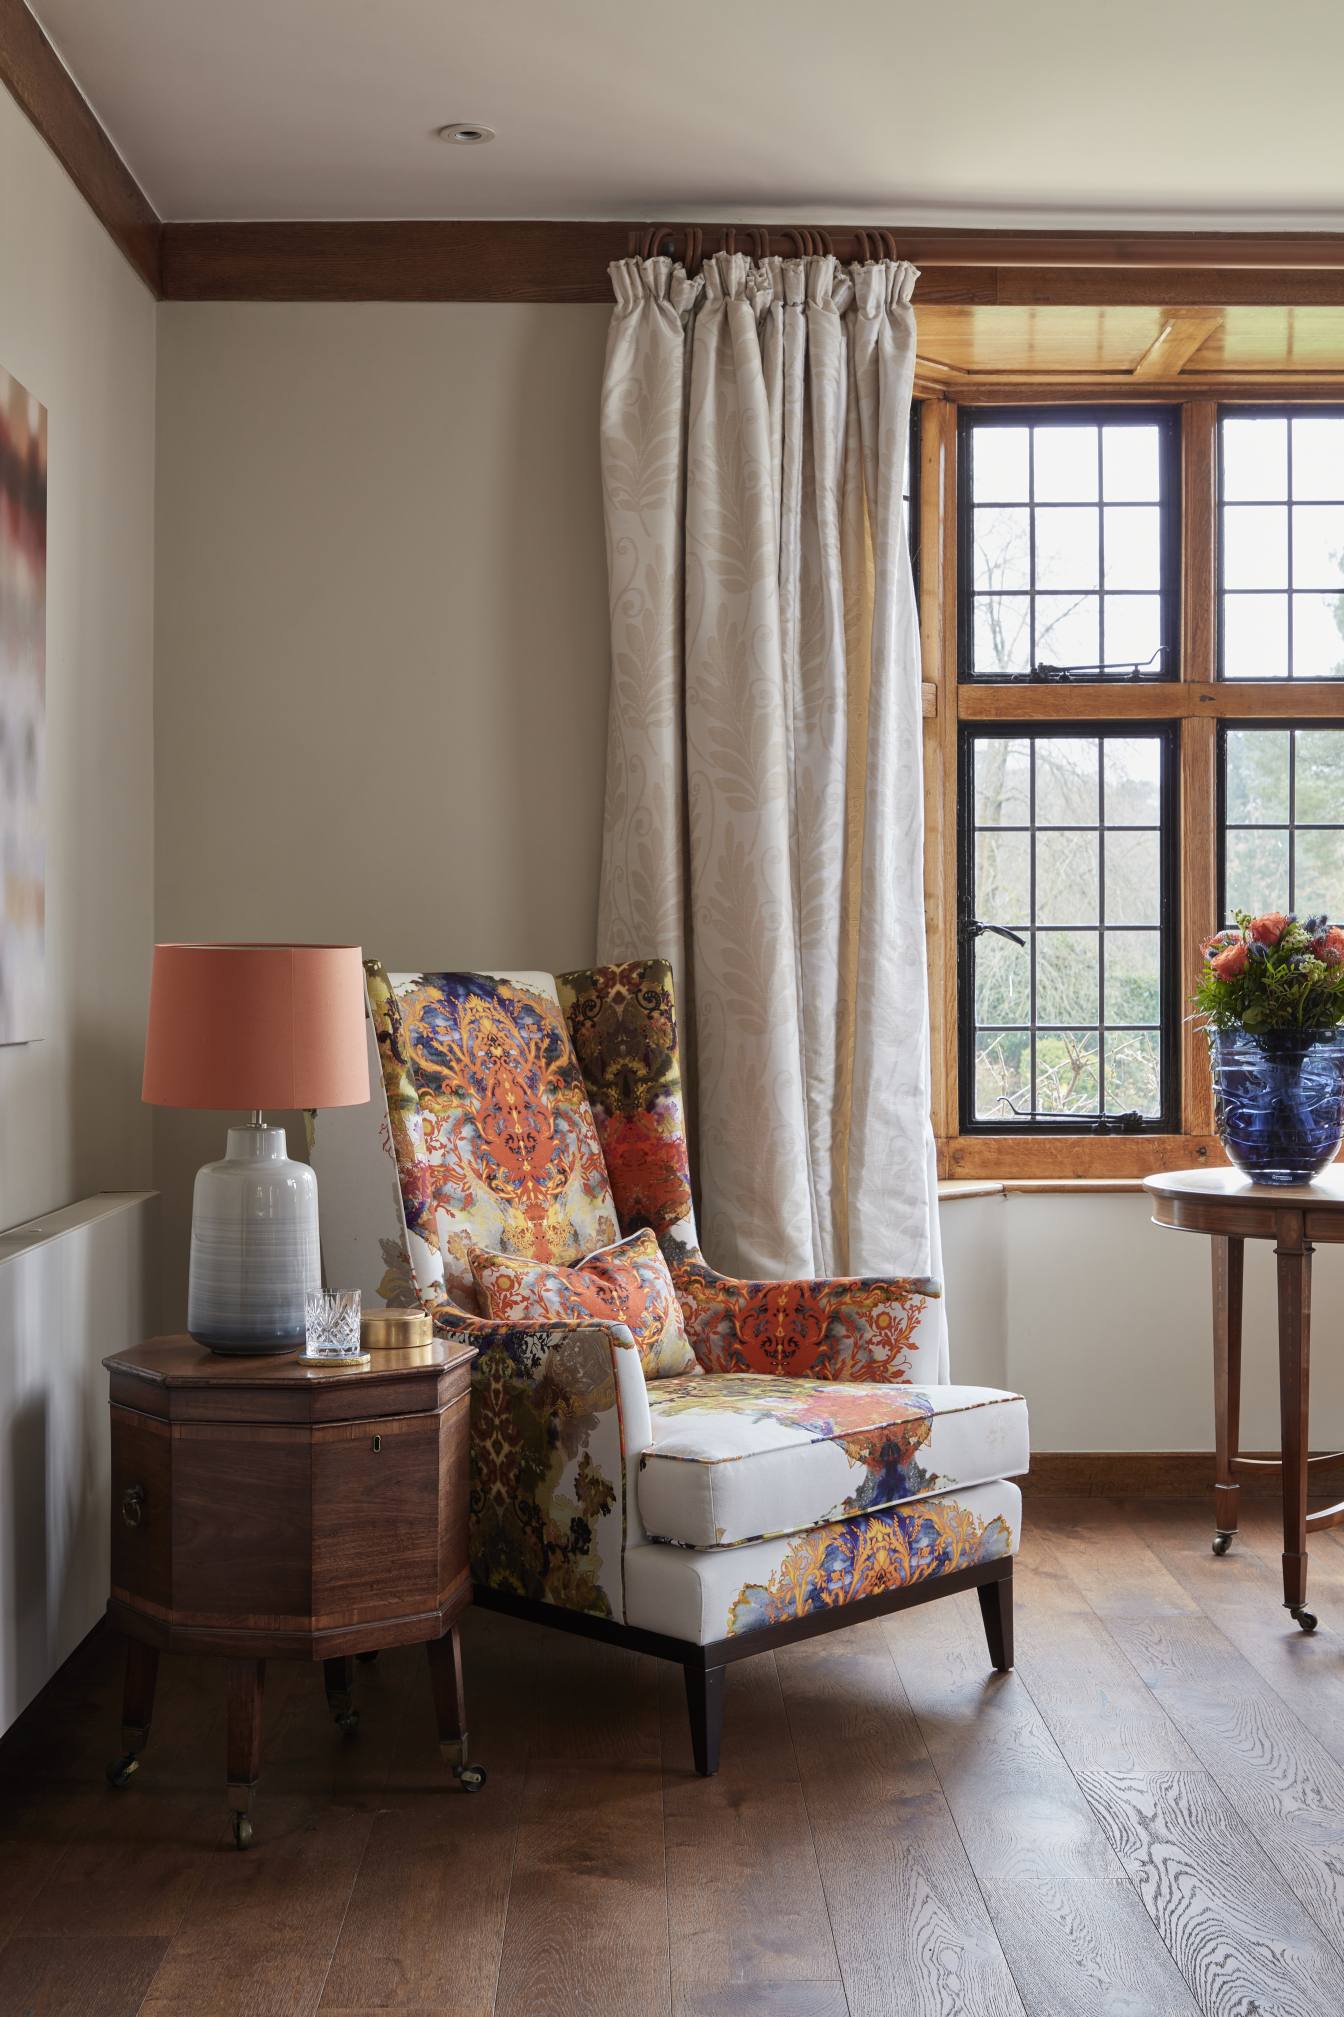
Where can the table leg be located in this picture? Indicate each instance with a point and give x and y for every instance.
(338, 1678)
(244, 1681)
(1228, 1255)
(137, 1708)
(450, 1707)
(1293, 1251)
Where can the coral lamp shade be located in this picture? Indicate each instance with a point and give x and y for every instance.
(256, 1026)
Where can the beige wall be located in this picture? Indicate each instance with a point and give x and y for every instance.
(78, 329)
(382, 641)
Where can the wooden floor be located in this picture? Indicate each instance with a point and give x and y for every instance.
(1145, 1820)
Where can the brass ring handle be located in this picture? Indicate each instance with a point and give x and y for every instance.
(133, 1504)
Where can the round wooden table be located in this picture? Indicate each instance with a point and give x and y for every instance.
(1231, 1210)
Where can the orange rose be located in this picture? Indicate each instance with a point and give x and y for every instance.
(1330, 946)
(1228, 964)
(1219, 941)
(1269, 929)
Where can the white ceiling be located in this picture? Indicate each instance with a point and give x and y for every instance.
(1179, 113)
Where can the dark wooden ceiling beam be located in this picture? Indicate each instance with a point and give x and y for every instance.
(44, 88)
(536, 260)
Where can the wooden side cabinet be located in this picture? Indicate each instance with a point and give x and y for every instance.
(261, 1509)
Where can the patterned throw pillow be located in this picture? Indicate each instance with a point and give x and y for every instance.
(626, 1284)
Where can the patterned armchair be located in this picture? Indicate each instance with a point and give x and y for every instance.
(815, 1469)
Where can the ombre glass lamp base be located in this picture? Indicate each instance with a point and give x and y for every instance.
(254, 1247)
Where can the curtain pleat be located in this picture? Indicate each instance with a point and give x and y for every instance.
(764, 819)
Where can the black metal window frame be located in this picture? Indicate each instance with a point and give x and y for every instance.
(1281, 726)
(1167, 418)
(1273, 411)
(1167, 1119)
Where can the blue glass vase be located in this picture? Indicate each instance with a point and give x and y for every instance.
(1279, 1101)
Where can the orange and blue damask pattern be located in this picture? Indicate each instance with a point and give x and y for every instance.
(625, 1284)
(493, 1137)
(624, 1027)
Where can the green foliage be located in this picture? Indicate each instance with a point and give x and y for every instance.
(1273, 973)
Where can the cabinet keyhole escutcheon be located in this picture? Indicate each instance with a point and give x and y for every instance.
(377, 1443)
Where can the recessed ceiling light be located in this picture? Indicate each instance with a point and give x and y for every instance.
(466, 133)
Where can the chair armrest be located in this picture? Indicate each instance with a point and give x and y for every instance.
(559, 1416)
(860, 1328)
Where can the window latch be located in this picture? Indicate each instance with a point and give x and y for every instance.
(1130, 1123)
(973, 928)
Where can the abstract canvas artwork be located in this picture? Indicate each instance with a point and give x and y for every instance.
(23, 681)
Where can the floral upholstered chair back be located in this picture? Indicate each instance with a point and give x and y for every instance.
(480, 1133)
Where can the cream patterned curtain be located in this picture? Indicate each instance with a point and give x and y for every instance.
(763, 823)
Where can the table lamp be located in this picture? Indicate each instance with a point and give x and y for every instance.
(251, 1027)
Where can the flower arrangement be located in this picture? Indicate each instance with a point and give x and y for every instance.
(1273, 973)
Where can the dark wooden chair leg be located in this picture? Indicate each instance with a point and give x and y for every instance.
(1228, 1257)
(1294, 1252)
(137, 1708)
(244, 1683)
(338, 1678)
(996, 1609)
(704, 1699)
(450, 1708)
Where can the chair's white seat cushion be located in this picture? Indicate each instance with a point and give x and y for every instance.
(704, 1594)
(741, 1457)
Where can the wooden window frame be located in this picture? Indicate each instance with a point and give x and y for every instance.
(1196, 699)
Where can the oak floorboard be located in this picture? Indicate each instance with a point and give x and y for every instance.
(1241, 1593)
(259, 1936)
(425, 1921)
(1074, 1931)
(1240, 1937)
(79, 1975)
(744, 1895)
(1109, 1563)
(764, 1999)
(586, 1932)
(909, 1922)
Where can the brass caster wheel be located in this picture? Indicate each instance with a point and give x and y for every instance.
(347, 1722)
(242, 1832)
(120, 1770)
(470, 1778)
(1305, 1618)
(1221, 1542)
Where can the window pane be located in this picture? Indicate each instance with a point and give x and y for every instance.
(1067, 976)
(1133, 877)
(1318, 636)
(1133, 976)
(1318, 545)
(1255, 636)
(1257, 776)
(999, 465)
(1002, 780)
(1003, 878)
(1255, 458)
(1066, 780)
(1065, 465)
(1133, 535)
(1255, 546)
(1318, 456)
(1130, 469)
(1134, 1073)
(1320, 781)
(1068, 547)
(1002, 981)
(1002, 547)
(1002, 1074)
(1256, 870)
(1066, 1072)
(1133, 630)
(1068, 630)
(1318, 871)
(1066, 878)
(1047, 1015)
(1133, 780)
(1003, 633)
